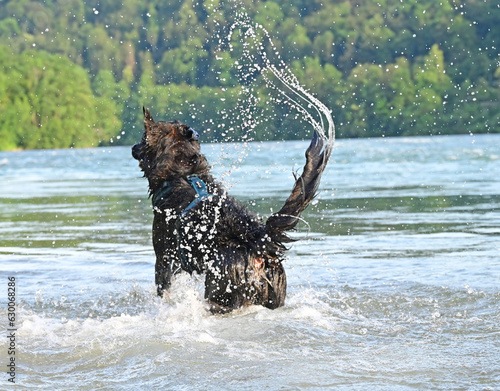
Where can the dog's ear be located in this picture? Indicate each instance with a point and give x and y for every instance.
(148, 118)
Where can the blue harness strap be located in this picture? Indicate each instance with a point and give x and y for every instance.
(201, 192)
(198, 185)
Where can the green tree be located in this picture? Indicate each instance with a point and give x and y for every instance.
(269, 15)
(383, 66)
(182, 64)
(432, 83)
(47, 102)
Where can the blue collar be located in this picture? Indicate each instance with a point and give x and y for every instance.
(198, 185)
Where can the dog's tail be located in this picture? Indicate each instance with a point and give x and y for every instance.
(304, 190)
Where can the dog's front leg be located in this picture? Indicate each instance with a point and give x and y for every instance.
(165, 268)
(167, 259)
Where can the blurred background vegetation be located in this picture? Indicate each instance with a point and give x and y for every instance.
(77, 72)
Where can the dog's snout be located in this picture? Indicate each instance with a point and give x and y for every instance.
(191, 134)
(136, 151)
(195, 135)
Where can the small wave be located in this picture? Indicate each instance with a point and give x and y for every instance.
(168, 340)
(183, 315)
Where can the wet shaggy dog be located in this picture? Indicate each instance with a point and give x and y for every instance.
(198, 227)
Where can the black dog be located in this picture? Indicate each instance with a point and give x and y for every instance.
(197, 227)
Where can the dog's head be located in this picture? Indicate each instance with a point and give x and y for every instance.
(168, 150)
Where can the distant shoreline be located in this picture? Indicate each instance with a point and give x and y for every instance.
(17, 150)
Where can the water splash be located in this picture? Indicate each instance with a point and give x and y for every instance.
(260, 60)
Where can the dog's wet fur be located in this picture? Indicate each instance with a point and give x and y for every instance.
(240, 255)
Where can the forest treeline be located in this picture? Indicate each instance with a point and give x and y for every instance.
(77, 72)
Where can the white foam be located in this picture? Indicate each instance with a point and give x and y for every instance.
(182, 316)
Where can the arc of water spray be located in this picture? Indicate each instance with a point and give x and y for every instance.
(291, 84)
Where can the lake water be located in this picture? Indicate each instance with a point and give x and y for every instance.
(394, 284)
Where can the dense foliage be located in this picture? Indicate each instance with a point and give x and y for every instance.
(77, 72)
